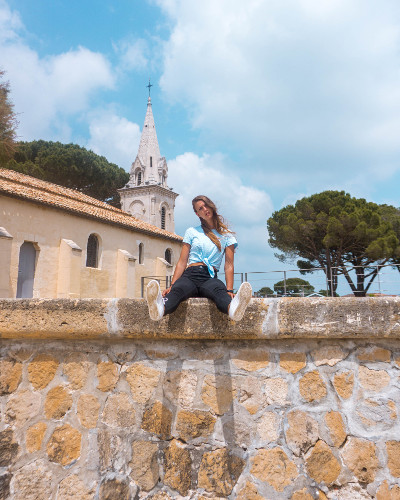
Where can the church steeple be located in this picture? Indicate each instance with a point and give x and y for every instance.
(149, 166)
(147, 195)
(149, 150)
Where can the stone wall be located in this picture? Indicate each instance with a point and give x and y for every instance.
(298, 401)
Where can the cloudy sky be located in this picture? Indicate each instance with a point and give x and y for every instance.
(256, 103)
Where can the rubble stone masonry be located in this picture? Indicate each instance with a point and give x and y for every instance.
(300, 400)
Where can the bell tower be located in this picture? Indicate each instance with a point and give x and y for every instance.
(147, 195)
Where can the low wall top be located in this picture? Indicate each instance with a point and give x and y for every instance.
(118, 319)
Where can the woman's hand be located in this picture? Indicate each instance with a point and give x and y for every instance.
(165, 292)
(231, 295)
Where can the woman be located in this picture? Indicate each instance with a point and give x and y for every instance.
(196, 271)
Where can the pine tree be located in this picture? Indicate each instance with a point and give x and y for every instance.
(335, 231)
(8, 123)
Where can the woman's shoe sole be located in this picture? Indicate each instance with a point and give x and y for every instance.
(244, 295)
(153, 289)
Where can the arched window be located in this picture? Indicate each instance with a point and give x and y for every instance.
(151, 161)
(26, 270)
(163, 212)
(141, 253)
(92, 251)
(139, 178)
(168, 255)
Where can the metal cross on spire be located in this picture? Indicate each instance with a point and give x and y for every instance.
(149, 86)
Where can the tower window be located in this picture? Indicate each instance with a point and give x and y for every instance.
(151, 161)
(141, 253)
(163, 218)
(139, 178)
(168, 255)
(92, 251)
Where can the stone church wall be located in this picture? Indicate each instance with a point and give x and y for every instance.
(300, 400)
(61, 248)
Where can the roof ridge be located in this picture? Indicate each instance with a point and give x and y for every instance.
(16, 184)
(47, 186)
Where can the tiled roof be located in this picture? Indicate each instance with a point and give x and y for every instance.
(46, 193)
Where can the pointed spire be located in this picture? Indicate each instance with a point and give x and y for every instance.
(149, 150)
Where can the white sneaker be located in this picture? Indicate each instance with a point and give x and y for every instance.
(240, 302)
(154, 300)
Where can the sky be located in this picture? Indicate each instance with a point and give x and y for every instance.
(257, 104)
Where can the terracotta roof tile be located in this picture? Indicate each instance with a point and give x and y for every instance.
(46, 193)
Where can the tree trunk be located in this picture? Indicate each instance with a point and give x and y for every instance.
(360, 291)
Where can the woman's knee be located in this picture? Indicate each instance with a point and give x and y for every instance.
(216, 291)
(212, 288)
(181, 290)
(184, 288)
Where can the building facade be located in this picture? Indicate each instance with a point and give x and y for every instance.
(147, 195)
(59, 243)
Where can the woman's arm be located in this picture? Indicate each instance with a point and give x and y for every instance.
(229, 268)
(180, 266)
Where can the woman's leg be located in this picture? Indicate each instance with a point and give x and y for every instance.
(182, 289)
(215, 290)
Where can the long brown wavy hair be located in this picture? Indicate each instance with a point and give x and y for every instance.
(219, 222)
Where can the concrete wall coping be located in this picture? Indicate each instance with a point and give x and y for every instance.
(120, 319)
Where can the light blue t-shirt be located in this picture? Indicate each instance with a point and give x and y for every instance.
(202, 249)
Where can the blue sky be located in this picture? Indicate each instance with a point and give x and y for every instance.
(256, 103)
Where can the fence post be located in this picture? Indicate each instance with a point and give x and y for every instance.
(379, 279)
(284, 283)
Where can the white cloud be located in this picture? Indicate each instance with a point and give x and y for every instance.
(245, 208)
(10, 22)
(210, 175)
(46, 91)
(133, 54)
(303, 85)
(114, 137)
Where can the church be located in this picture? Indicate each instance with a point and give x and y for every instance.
(147, 195)
(56, 242)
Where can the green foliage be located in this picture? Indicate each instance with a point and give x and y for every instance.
(333, 230)
(392, 215)
(71, 166)
(265, 291)
(8, 123)
(294, 287)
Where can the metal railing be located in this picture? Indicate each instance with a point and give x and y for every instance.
(386, 280)
(270, 278)
(376, 279)
(257, 278)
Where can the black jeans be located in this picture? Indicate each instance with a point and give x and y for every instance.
(197, 282)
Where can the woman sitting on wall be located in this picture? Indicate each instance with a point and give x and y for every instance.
(196, 271)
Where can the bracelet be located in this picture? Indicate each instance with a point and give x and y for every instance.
(230, 291)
